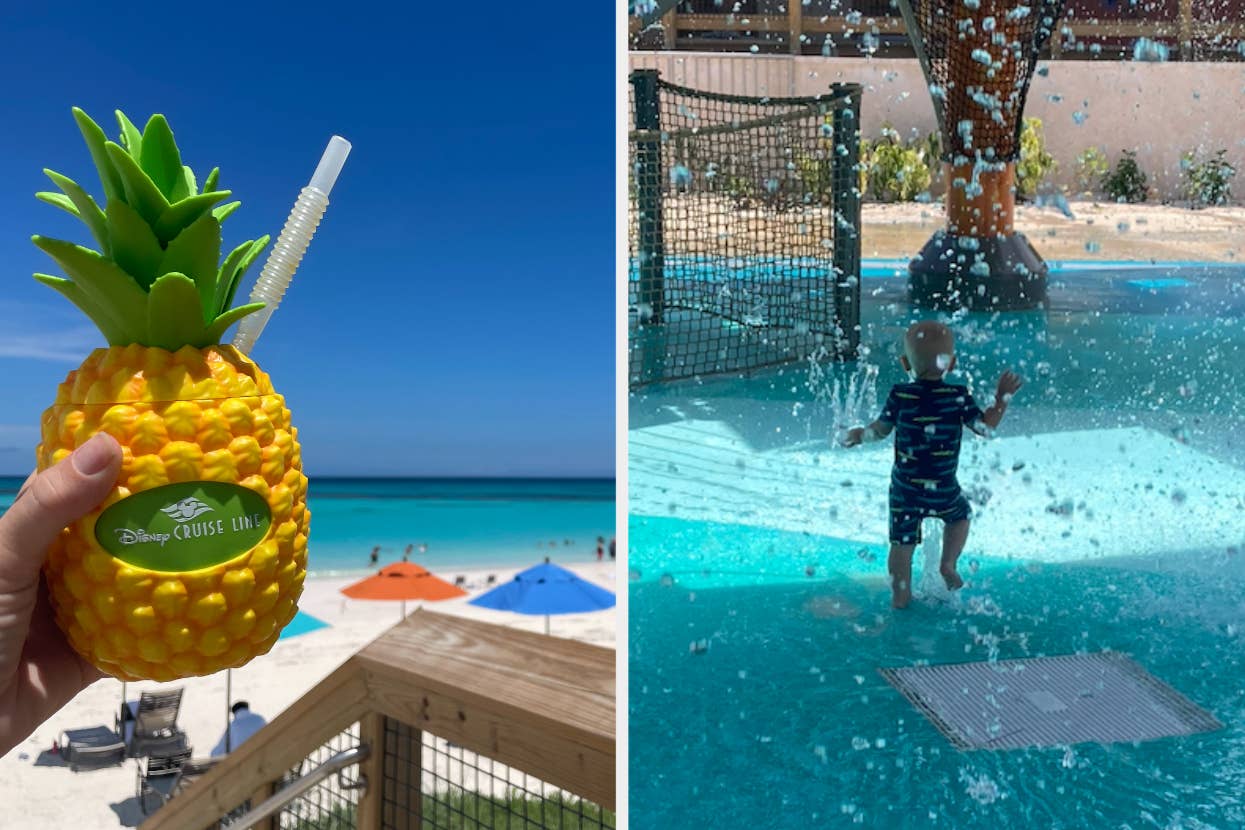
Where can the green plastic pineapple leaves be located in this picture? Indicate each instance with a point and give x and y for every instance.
(157, 278)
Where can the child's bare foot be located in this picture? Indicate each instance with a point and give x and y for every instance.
(952, 577)
(902, 595)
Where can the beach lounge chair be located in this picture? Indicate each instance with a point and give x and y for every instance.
(96, 746)
(491, 581)
(158, 777)
(460, 581)
(168, 775)
(150, 727)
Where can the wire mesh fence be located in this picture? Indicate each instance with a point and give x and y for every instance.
(332, 804)
(744, 218)
(431, 784)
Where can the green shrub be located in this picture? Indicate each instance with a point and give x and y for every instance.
(1208, 183)
(817, 177)
(1127, 182)
(933, 155)
(742, 190)
(1092, 167)
(893, 171)
(1035, 164)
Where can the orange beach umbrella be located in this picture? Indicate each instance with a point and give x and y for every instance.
(403, 581)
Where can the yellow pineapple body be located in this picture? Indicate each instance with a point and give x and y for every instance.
(196, 414)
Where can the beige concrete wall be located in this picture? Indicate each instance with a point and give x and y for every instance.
(1161, 110)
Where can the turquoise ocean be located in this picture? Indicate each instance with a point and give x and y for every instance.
(466, 523)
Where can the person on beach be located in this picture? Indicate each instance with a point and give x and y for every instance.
(406, 554)
(244, 724)
(375, 557)
(600, 548)
(612, 549)
(39, 671)
(928, 416)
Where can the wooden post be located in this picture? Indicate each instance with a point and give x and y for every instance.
(372, 733)
(402, 770)
(1186, 30)
(669, 28)
(795, 25)
(259, 797)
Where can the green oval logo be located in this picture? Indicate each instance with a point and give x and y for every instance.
(184, 526)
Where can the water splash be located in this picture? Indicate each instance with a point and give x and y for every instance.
(848, 397)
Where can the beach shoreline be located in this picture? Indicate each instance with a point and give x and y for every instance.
(49, 794)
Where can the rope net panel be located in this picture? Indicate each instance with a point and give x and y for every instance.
(743, 229)
(979, 57)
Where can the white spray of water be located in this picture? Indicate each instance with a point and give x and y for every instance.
(848, 399)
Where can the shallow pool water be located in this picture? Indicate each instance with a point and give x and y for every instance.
(1109, 513)
(784, 720)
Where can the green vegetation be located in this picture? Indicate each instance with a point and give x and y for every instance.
(1092, 167)
(894, 171)
(1126, 183)
(340, 817)
(472, 811)
(817, 177)
(1035, 164)
(1208, 183)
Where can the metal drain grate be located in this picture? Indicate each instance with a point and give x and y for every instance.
(1049, 701)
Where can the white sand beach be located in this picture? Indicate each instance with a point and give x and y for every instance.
(41, 791)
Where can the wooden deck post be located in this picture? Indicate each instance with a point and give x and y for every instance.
(1186, 30)
(258, 797)
(795, 25)
(372, 733)
(669, 28)
(403, 772)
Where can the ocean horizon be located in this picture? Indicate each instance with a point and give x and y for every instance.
(466, 523)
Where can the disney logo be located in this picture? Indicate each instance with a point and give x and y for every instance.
(133, 537)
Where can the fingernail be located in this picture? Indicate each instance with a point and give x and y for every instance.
(93, 456)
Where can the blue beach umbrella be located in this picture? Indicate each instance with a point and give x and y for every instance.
(545, 590)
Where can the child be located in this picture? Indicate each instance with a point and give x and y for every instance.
(930, 415)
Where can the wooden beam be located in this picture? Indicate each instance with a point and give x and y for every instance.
(539, 704)
(732, 22)
(1185, 29)
(542, 705)
(539, 750)
(1124, 28)
(839, 25)
(336, 703)
(566, 684)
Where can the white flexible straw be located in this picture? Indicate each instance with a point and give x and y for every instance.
(292, 244)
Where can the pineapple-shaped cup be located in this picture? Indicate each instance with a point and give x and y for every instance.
(195, 561)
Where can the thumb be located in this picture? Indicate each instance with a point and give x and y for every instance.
(55, 498)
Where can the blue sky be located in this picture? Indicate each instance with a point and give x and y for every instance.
(454, 314)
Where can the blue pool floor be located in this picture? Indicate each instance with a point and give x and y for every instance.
(784, 720)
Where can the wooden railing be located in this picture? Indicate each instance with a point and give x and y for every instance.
(538, 704)
(801, 31)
